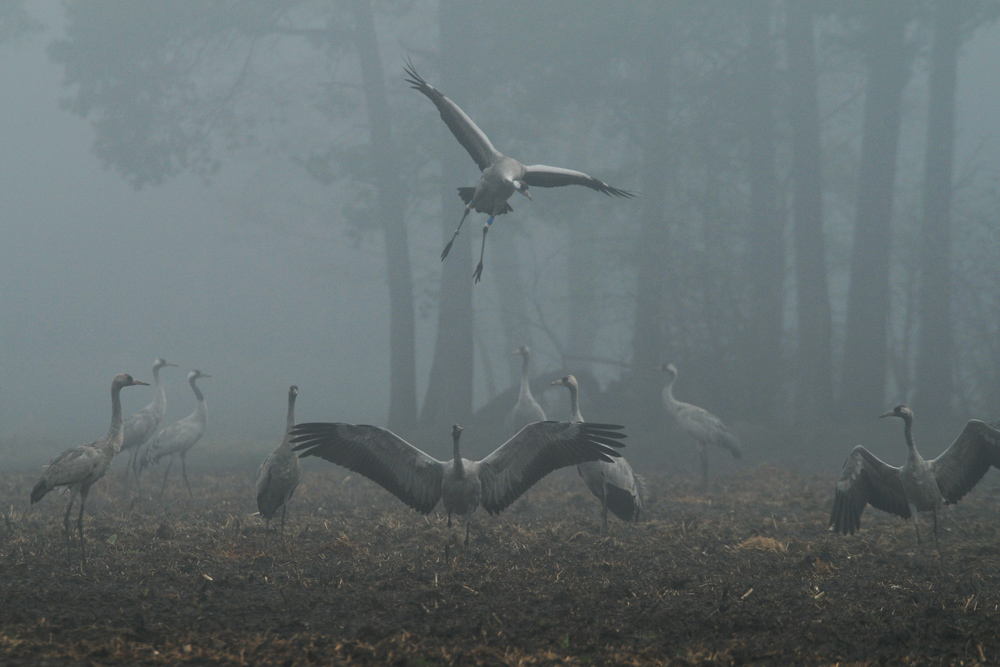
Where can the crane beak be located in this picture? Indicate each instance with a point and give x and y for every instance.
(555, 382)
(174, 365)
(516, 352)
(140, 383)
(888, 414)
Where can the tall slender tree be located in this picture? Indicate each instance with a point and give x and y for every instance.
(813, 370)
(862, 387)
(449, 390)
(935, 387)
(391, 208)
(767, 246)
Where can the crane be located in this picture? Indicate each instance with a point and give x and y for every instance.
(78, 468)
(614, 483)
(181, 436)
(278, 475)
(918, 485)
(420, 480)
(141, 426)
(502, 176)
(705, 427)
(527, 409)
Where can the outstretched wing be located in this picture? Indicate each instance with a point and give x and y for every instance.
(543, 176)
(961, 466)
(468, 133)
(866, 480)
(537, 450)
(378, 454)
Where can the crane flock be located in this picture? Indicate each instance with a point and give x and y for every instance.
(536, 448)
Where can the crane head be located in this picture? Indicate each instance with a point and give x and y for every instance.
(161, 362)
(901, 411)
(195, 374)
(568, 381)
(456, 432)
(669, 369)
(126, 380)
(293, 390)
(522, 187)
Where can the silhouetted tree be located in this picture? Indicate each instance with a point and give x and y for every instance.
(813, 370)
(865, 347)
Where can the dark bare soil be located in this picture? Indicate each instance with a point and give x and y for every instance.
(745, 574)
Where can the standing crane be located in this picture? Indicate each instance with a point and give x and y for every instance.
(278, 475)
(918, 485)
(613, 482)
(527, 409)
(705, 427)
(78, 468)
(421, 481)
(141, 426)
(502, 176)
(179, 437)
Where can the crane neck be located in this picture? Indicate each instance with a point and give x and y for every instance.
(908, 433)
(668, 396)
(574, 405)
(525, 386)
(459, 469)
(197, 392)
(159, 392)
(289, 421)
(116, 433)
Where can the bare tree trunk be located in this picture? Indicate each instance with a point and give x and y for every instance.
(449, 389)
(647, 335)
(402, 341)
(813, 370)
(862, 387)
(767, 246)
(934, 355)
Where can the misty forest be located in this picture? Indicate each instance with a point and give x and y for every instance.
(786, 226)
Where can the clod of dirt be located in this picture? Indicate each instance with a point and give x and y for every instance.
(762, 544)
(164, 532)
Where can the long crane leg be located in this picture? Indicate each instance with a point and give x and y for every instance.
(69, 508)
(79, 524)
(478, 274)
(164, 486)
(184, 473)
(447, 541)
(604, 502)
(465, 213)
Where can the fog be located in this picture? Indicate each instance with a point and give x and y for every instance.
(201, 182)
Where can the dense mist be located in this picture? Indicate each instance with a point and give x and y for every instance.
(251, 189)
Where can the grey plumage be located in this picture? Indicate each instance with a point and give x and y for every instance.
(278, 475)
(918, 485)
(527, 410)
(141, 426)
(179, 437)
(613, 482)
(501, 175)
(78, 468)
(706, 428)
(421, 481)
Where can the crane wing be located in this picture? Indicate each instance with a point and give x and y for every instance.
(543, 176)
(963, 464)
(72, 466)
(378, 454)
(140, 427)
(537, 450)
(706, 427)
(866, 480)
(468, 133)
